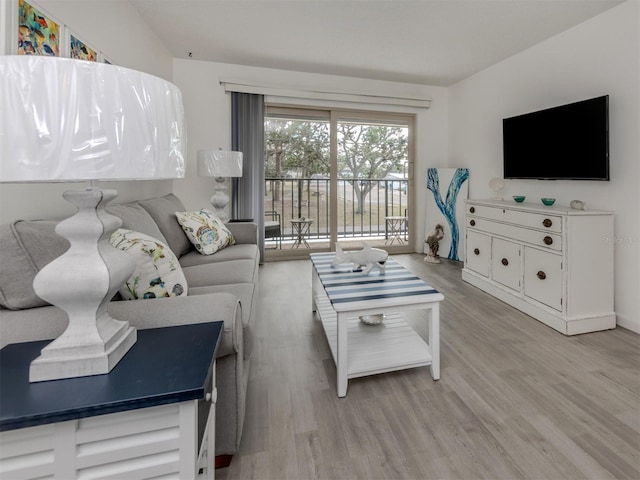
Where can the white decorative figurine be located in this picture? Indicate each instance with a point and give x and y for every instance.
(578, 205)
(368, 257)
(433, 241)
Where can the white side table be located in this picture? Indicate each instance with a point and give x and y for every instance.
(396, 227)
(301, 230)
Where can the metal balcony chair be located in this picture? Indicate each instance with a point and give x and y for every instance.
(272, 227)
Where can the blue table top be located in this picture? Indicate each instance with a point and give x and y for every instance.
(166, 365)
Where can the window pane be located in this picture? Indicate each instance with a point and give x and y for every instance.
(372, 171)
(297, 170)
(371, 164)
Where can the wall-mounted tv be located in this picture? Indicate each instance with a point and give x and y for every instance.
(569, 142)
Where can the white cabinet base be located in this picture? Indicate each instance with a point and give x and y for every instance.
(573, 326)
(552, 263)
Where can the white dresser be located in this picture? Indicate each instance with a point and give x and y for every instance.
(553, 263)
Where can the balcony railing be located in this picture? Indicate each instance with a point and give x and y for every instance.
(359, 215)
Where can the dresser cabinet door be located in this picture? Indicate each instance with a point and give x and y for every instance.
(543, 277)
(478, 253)
(505, 263)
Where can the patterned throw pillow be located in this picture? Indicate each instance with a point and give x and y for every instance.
(157, 273)
(206, 231)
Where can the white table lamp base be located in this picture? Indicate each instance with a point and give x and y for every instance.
(81, 282)
(219, 200)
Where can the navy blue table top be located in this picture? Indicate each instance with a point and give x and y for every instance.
(166, 365)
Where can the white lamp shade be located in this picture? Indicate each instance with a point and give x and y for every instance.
(72, 120)
(219, 163)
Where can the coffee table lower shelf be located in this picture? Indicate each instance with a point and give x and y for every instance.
(390, 346)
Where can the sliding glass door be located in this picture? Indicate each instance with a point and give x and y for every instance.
(336, 176)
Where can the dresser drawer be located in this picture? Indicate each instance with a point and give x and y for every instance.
(478, 258)
(551, 223)
(540, 239)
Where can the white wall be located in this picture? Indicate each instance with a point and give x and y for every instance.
(117, 29)
(461, 129)
(598, 57)
(208, 111)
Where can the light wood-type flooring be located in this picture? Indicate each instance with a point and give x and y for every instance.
(516, 399)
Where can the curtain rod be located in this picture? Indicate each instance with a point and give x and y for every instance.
(323, 94)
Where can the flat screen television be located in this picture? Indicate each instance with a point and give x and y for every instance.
(569, 142)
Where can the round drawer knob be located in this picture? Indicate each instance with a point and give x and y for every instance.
(542, 275)
(472, 210)
(505, 262)
(476, 251)
(548, 240)
(547, 222)
(472, 223)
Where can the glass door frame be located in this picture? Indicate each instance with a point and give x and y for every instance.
(334, 115)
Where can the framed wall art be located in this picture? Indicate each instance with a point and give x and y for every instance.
(31, 30)
(6, 33)
(102, 58)
(35, 31)
(79, 50)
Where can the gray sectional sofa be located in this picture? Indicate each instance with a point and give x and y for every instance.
(222, 286)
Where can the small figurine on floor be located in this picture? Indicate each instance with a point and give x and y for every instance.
(433, 242)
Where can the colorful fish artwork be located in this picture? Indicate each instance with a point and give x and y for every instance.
(80, 51)
(37, 33)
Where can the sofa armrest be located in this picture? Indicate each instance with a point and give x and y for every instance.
(31, 324)
(244, 232)
(164, 312)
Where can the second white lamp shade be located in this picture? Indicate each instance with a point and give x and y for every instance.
(219, 164)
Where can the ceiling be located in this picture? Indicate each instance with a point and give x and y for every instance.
(431, 42)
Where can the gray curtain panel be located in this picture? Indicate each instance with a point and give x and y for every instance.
(247, 136)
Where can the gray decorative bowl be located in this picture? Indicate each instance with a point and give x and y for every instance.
(372, 319)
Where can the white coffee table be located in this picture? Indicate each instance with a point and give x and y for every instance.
(341, 296)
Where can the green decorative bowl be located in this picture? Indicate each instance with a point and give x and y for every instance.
(519, 198)
(548, 201)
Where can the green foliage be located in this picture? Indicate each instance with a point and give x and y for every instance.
(299, 146)
(300, 149)
(365, 151)
(371, 151)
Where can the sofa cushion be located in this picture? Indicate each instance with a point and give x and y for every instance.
(26, 248)
(136, 218)
(163, 211)
(157, 272)
(221, 273)
(205, 231)
(244, 232)
(32, 324)
(234, 252)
